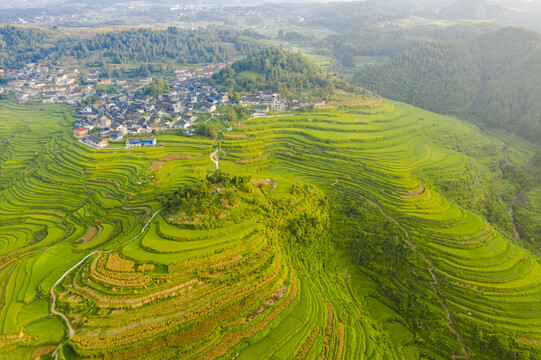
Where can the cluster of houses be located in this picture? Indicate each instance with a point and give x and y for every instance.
(132, 111)
(50, 84)
(266, 100)
(42, 17)
(55, 85)
(101, 142)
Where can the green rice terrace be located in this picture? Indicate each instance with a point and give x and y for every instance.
(361, 230)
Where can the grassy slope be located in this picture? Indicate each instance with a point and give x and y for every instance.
(378, 155)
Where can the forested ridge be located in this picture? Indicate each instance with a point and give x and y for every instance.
(391, 42)
(186, 46)
(19, 45)
(490, 79)
(22, 44)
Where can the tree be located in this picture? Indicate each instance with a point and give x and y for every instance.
(206, 130)
(234, 96)
(200, 173)
(81, 77)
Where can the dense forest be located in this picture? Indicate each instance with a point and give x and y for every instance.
(490, 79)
(390, 42)
(275, 69)
(24, 44)
(184, 46)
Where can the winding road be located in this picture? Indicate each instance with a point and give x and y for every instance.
(71, 330)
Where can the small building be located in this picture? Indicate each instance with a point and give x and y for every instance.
(136, 129)
(261, 111)
(105, 82)
(115, 135)
(102, 133)
(149, 141)
(208, 107)
(96, 141)
(317, 102)
(80, 132)
(145, 81)
(278, 105)
(133, 142)
(105, 122)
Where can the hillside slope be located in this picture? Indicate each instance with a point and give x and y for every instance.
(275, 69)
(353, 232)
(490, 79)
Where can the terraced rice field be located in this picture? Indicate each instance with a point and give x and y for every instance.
(177, 292)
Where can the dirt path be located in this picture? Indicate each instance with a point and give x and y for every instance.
(214, 158)
(516, 234)
(433, 283)
(71, 330)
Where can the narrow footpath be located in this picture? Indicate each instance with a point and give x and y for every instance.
(516, 234)
(54, 311)
(214, 158)
(434, 283)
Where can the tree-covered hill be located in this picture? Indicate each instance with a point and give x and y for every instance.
(391, 42)
(276, 69)
(19, 44)
(185, 46)
(26, 44)
(490, 79)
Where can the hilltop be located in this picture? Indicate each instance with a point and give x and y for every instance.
(276, 69)
(489, 79)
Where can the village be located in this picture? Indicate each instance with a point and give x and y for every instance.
(117, 109)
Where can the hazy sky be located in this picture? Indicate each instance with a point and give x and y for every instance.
(47, 3)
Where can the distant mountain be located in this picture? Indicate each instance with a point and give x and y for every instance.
(506, 12)
(492, 79)
(475, 10)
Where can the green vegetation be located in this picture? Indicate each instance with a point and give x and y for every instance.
(275, 69)
(347, 47)
(346, 232)
(23, 44)
(183, 46)
(465, 79)
(19, 45)
(157, 87)
(207, 130)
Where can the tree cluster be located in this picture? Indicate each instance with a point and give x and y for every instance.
(157, 87)
(182, 46)
(22, 44)
(236, 113)
(206, 129)
(19, 45)
(275, 69)
(377, 41)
